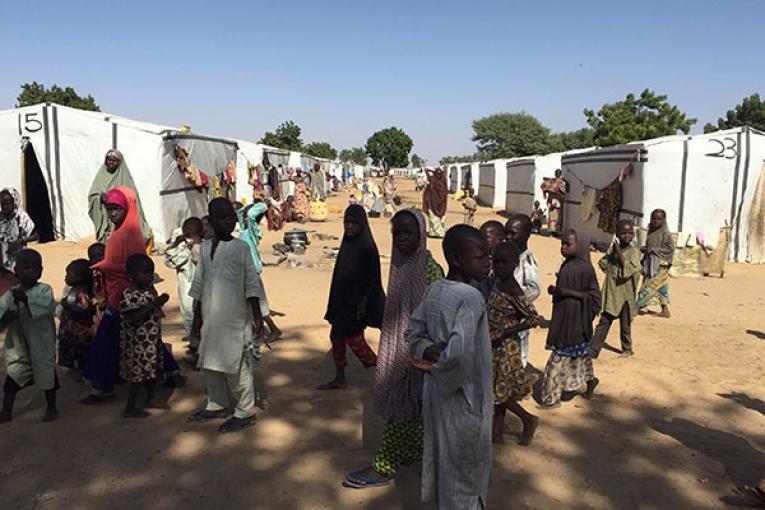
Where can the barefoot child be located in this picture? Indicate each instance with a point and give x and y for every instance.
(76, 312)
(356, 297)
(576, 302)
(449, 330)
(225, 288)
(509, 313)
(658, 252)
(140, 333)
(518, 230)
(470, 206)
(621, 264)
(30, 340)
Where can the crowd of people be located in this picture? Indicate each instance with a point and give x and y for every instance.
(454, 343)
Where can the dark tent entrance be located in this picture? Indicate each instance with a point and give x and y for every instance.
(36, 196)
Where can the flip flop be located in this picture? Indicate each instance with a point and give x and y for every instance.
(203, 415)
(235, 424)
(357, 480)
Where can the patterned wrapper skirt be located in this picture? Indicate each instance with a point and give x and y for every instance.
(436, 225)
(565, 373)
(655, 291)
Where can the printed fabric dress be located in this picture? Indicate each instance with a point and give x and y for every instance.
(140, 343)
(510, 380)
(75, 330)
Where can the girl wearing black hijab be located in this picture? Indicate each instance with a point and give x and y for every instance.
(576, 302)
(356, 297)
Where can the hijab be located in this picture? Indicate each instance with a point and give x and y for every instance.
(126, 240)
(571, 322)
(251, 233)
(436, 193)
(663, 246)
(356, 297)
(105, 181)
(398, 385)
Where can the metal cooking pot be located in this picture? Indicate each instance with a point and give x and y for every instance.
(298, 235)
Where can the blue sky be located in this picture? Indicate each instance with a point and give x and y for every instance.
(343, 69)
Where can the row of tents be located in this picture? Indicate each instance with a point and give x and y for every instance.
(51, 153)
(703, 182)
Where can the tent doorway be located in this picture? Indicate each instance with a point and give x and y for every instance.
(36, 197)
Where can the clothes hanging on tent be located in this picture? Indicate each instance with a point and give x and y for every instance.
(610, 201)
(589, 203)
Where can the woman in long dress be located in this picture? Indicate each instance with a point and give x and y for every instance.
(434, 200)
(555, 192)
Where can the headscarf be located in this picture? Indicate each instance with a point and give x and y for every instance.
(436, 194)
(16, 226)
(664, 246)
(356, 297)
(571, 322)
(126, 240)
(251, 233)
(105, 181)
(398, 385)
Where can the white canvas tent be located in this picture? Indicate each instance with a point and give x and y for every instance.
(492, 183)
(51, 153)
(701, 181)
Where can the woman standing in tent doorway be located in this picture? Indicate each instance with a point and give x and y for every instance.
(114, 173)
(555, 190)
(16, 229)
(434, 200)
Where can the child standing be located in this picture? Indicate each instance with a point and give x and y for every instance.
(518, 230)
(449, 330)
(356, 297)
(510, 313)
(537, 217)
(494, 234)
(470, 206)
(30, 341)
(658, 253)
(76, 312)
(226, 291)
(576, 302)
(183, 256)
(621, 264)
(140, 333)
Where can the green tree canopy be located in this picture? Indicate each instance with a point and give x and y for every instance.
(448, 160)
(356, 155)
(34, 93)
(569, 140)
(286, 136)
(509, 135)
(320, 150)
(637, 118)
(389, 148)
(751, 112)
(417, 161)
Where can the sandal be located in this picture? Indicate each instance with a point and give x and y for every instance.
(205, 415)
(358, 480)
(235, 424)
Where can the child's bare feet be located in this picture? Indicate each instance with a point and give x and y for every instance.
(665, 312)
(591, 385)
(529, 429)
(334, 384)
(51, 414)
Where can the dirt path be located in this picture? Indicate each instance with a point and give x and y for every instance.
(677, 426)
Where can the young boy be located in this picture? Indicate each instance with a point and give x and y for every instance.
(30, 342)
(183, 257)
(537, 218)
(621, 264)
(493, 233)
(225, 288)
(449, 329)
(470, 206)
(518, 229)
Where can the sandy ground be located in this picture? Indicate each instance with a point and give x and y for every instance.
(677, 426)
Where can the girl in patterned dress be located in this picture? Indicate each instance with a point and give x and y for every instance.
(75, 331)
(140, 333)
(509, 313)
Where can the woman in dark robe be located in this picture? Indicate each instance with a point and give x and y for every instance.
(434, 200)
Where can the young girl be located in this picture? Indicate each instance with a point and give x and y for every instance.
(509, 312)
(576, 302)
(76, 312)
(356, 297)
(658, 253)
(140, 333)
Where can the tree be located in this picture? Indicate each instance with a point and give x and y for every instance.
(34, 93)
(417, 161)
(448, 160)
(356, 155)
(286, 136)
(637, 118)
(509, 135)
(320, 150)
(389, 148)
(569, 140)
(751, 112)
